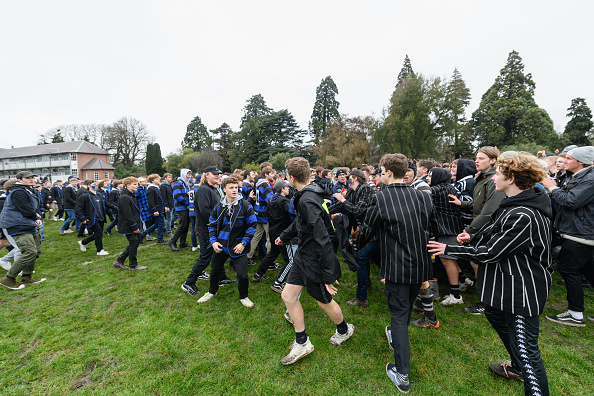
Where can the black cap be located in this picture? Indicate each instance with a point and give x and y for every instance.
(213, 170)
(24, 174)
(340, 172)
(377, 171)
(358, 173)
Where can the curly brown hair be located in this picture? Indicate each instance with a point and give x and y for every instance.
(229, 180)
(298, 167)
(397, 163)
(523, 167)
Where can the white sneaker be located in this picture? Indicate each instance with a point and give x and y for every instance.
(338, 338)
(247, 302)
(5, 265)
(68, 231)
(451, 300)
(297, 352)
(86, 231)
(102, 253)
(82, 247)
(466, 284)
(205, 298)
(55, 218)
(194, 248)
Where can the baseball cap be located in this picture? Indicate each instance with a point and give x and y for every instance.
(279, 185)
(213, 170)
(24, 174)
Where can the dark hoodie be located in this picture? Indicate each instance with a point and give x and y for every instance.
(279, 217)
(315, 255)
(464, 186)
(513, 252)
(447, 214)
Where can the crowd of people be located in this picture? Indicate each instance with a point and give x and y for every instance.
(501, 222)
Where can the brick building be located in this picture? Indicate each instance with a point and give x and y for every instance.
(57, 161)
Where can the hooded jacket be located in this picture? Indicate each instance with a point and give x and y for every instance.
(279, 217)
(232, 224)
(575, 210)
(69, 197)
(86, 209)
(263, 194)
(513, 253)
(485, 201)
(180, 191)
(315, 255)
(447, 215)
(128, 212)
(464, 186)
(21, 209)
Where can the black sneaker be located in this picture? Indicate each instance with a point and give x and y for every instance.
(277, 287)
(567, 319)
(401, 381)
(225, 282)
(107, 233)
(506, 370)
(259, 278)
(204, 276)
(190, 289)
(389, 336)
(477, 309)
(183, 245)
(251, 262)
(274, 267)
(173, 246)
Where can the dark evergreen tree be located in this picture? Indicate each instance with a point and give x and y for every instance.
(197, 137)
(457, 98)
(255, 107)
(580, 124)
(325, 108)
(406, 70)
(154, 161)
(58, 138)
(223, 143)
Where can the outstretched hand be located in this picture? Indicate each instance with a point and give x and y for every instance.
(332, 289)
(454, 199)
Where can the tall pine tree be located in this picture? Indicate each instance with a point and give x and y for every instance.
(197, 137)
(325, 108)
(457, 98)
(154, 160)
(580, 124)
(406, 70)
(255, 107)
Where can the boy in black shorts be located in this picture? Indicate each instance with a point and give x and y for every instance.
(315, 264)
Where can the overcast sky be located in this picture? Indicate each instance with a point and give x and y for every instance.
(165, 62)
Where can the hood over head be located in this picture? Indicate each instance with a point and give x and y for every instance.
(439, 176)
(534, 198)
(465, 168)
(183, 174)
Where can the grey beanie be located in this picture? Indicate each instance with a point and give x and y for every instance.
(584, 154)
(566, 149)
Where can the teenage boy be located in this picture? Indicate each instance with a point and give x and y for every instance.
(129, 225)
(401, 218)
(91, 211)
(19, 220)
(112, 204)
(513, 253)
(232, 224)
(69, 200)
(145, 216)
(56, 193)
(156, 207)
(486, 200)
(182, 202)
(315, 264)
(167, 194)
(263, 192)
(247, 186)
(278, 220)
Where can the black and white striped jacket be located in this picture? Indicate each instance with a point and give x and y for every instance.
(402, 217)
(513, 252)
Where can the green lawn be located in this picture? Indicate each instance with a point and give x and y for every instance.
(92, 329)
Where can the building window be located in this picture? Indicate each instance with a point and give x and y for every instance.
(73, 157)
(107, 174)
(74, 172)
(96, 175)
(87, 175)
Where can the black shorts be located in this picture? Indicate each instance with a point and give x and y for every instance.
(316, 290)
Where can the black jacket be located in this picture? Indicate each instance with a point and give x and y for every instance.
(403, 218)
(112, 201)
(447, 215)
(85, 209)
(205, 199)
(355, 205)
(156, 202)
(56, 193)
(315, 255)
(128, 212)
(69, 197)
(279, 217)
(167, 194)
(513, 252)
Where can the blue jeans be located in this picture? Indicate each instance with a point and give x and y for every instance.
(363, 270)
(193, 235)
(158, 224)
(41, 229)
(113, 223)
(69, 219)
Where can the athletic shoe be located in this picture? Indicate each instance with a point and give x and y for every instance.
(170, 235)
(207, 296)
(418, 306)
(506, 370)
(107, 233)
(27, 280)
(83, 248)
(338, 338)
(451, 300)
(190, 289)
(274, 267)
(591, 318)
(173, 246)
(54, 218)
(259, 278)
(68, 231)
(246, 302)
(389, 336)
(204, 276)
(5, 265)
(150, 238)
(358, 303)
(194, 248)
(11, 284)
(251, 262)
(61, 232)
(288, 317)
(102, 253)
(567, 319)
(183, 245)
(297, 352)
(138, 268)
(426, 322)
(119, 265)
(467, 283)
(400, 380)
(477, 309)
(86, 231)
(225, 282)
(276, 287)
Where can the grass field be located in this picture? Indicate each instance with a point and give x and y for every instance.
(92, 329)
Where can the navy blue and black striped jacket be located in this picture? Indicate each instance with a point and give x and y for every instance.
(232, 224)
(143, 204)
(263, 195)
(180, 196)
